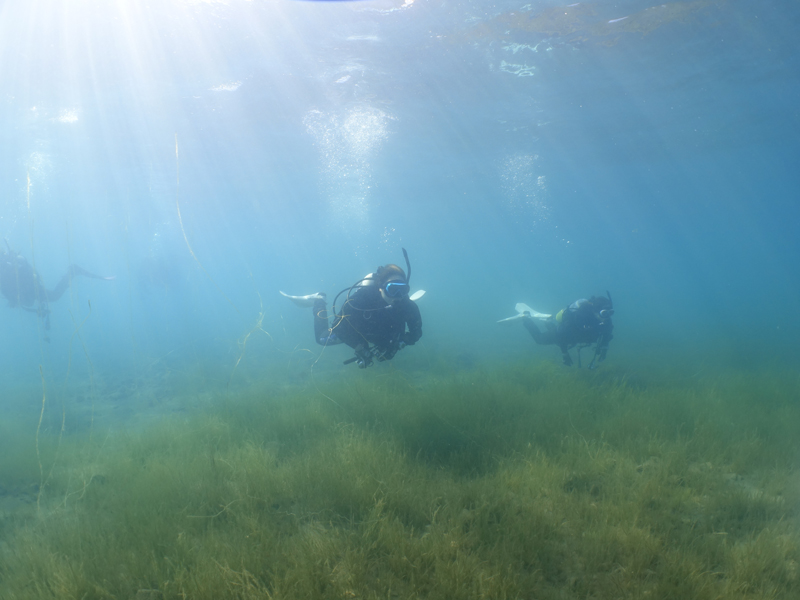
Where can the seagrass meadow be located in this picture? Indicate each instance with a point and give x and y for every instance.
(182, 184)
(512, 481)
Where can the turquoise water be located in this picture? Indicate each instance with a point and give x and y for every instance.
(208, 155)
(531, 153)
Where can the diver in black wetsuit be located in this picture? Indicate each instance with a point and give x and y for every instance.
(583, 323)
(377, 318)
(22, 286)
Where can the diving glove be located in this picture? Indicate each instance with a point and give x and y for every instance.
(363, 357)
(329, 339)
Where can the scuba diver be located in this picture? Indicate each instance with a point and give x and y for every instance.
(377, 319)
(582, 323)
(22, 286)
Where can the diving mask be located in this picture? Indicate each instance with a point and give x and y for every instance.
(396, 289)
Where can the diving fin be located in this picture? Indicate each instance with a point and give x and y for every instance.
(522, 309)
(304, 301)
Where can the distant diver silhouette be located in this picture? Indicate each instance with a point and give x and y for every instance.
(22, 286)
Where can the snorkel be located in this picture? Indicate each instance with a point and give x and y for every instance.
(408, 266)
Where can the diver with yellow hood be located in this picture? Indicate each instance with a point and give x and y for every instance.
(582, 323)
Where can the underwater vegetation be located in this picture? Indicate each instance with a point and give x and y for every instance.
(501, 482)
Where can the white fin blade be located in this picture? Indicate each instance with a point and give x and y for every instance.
(523, 308)
(514, 318)
(303, 300)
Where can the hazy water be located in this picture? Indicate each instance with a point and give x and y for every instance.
(520, 152)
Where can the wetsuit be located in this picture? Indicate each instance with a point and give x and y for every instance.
(22, 286)
(365, 318)
(19, 283)
(580, 323)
